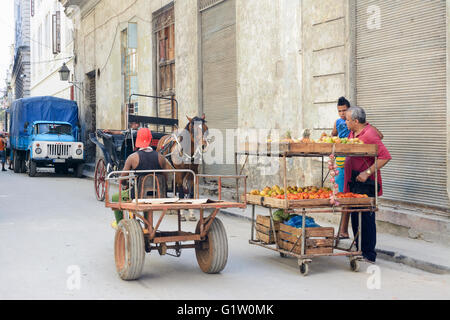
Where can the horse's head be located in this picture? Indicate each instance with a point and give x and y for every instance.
(198, 131)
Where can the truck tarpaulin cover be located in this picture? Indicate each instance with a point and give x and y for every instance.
(41, 109)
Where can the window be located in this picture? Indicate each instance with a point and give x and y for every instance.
(130, 67)
(164, 29)
(56, 32)
(39, 44)
(47, 32)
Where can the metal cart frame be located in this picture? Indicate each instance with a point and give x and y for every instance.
(149, 236)
(304, 259)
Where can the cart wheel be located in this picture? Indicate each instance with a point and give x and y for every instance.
(212, 253)
(100, 179)
(304, 269)
(283, 255)
(129, 249)
(354, 265)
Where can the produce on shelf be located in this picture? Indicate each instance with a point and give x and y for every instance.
(293, 220)
(325, 138)
(301, 193)
(280, 215)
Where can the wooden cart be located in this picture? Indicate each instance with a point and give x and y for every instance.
(137, 233)
(313, 242)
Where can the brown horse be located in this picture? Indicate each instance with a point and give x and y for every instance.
(184, 150)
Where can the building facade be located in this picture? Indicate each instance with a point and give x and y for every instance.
(281, 65)
(52, 45)
(20, 78)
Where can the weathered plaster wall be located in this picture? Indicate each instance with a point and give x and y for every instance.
(269, 64)
(325, 58)
(269, 67)
(187, 59)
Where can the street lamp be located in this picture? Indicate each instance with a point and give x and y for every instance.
(64, 72)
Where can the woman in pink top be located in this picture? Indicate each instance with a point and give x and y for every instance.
(360, 176)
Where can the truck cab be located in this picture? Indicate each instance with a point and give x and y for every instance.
(54, 144)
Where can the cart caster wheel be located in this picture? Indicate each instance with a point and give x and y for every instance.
(283, 255)
(304, 269)
(162, 249)
(354, 265)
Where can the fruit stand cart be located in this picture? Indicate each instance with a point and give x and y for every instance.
(137, 234)
(306, 243)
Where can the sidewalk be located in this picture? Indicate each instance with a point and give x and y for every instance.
(419, 254)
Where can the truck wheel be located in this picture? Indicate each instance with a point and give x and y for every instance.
(129, 249)
(212, 253)
(23, 166)
(31, 167)
(78, 170)
(16, 162)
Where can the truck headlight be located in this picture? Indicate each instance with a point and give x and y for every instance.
(38, 150)
(79, 152)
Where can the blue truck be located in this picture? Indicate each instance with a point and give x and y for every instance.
(45, 132)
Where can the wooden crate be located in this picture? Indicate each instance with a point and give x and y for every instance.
(318, 240)
(307, 203)
(264, 230)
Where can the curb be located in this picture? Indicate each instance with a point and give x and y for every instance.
(383, 254)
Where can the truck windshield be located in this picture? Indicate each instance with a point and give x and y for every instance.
(49, 128)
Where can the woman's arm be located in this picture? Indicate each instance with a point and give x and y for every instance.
(334, 133)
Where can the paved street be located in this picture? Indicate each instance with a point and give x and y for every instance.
(48, 224)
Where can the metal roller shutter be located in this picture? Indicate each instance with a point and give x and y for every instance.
(218, 19)
(401, 83)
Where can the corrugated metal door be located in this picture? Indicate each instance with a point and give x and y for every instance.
(401, 83)
(218, 19)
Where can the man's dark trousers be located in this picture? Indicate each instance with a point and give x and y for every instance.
(369, 228)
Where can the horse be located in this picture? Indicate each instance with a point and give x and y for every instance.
(185, 153)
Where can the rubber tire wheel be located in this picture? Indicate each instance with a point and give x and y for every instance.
(354, 265)
(78, 170)
(283, 255)
(304, 269)
(214, 258)
(99, 179)
(16, 162)
(32, 168)
(23, 166)
(129, 249)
